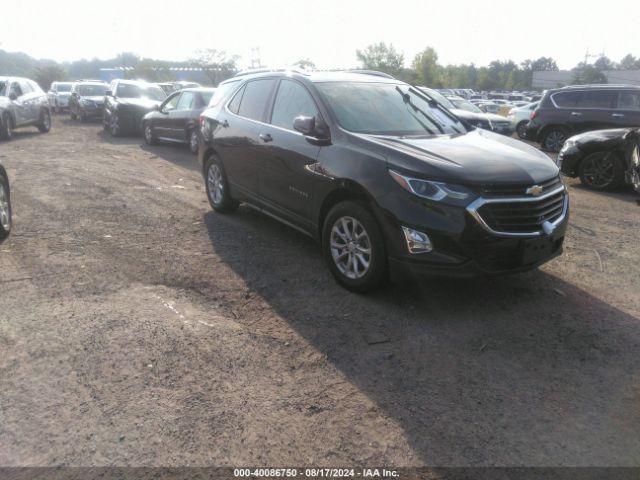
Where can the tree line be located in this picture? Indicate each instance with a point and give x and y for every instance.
(424, 68)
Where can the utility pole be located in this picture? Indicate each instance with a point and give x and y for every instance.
(255, 58)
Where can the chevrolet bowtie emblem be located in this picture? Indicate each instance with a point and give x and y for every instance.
(535, 190)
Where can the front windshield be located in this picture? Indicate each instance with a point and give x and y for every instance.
(63, 87)
(466, 105)
(385, 109)
(438, 97)
(3, 88)
(152, 92)
(92, 90)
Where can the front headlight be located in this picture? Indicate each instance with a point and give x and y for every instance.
(568, 145)
(635, 157)
(430, 190)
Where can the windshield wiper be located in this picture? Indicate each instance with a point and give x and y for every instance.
(407, 99)
(436, 104)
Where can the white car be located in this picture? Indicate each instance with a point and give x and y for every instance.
(59, 94)
(520, 116)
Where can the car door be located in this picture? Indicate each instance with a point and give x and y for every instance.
(18, 106)
(595, 110)
(627, 112)
(181, 116)
(242, 121)
(161, 122)
(286, 185)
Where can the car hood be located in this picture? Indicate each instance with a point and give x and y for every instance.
(466, 114)
(63, 94)
(471, 158)
(492, 117)
(141, 103)
(97, 99)
(601, 135)
(4, 102)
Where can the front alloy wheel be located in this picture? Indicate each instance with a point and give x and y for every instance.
(601, 171)
(193, 141)
(353, 247)
(149, 136)
(217, 188)
(114, 125)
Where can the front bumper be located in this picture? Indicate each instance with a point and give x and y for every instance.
(568, 161)
(91, 110)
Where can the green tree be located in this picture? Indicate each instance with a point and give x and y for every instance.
(381, 57)
(587, 74)
(629, 62)
(217, 64)
(45, 76)
(426, 67)
(305, 63)
(604, 63)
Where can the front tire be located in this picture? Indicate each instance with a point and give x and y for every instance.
(554, 139)
(5, 206)
(353, 247)
(602, 171)
(6, 127)
(218, 188)
(44, 124)
(114, 125)
(149, 135)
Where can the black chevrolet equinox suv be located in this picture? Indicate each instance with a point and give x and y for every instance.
(384, 177)
(564, 112)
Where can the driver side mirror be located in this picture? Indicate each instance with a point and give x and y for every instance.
(304, 125)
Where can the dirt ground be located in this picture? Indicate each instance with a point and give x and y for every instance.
(137, 327)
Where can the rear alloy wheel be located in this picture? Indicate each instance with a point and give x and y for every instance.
(44, 125)
(6, 127)
(193, 141)
(114, 125)
(521, 129)
(353, 247)
(554, 139)
(5, 207)
(149, 135)
(218, 188)
(602, 171)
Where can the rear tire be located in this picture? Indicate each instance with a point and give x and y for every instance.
(149, 135)
(353, 247)
(44, 124)
(217, 187)
(114, 126)
(6, 127)
(5, 206)
(192, 136)
(602, 171)
(521, 129)
(554, 139)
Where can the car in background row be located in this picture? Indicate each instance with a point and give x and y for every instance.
(170, 87)
(410, 190)
(87, 100)
(520, 116)
(602, 159)
(471, 114)
(176, 120)
(567, 111)
(59, 94)
(22, 104)
(5, 204)
(126, 102)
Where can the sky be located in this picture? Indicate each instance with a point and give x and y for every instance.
(327, 31)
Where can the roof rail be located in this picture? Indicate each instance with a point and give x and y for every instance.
(252, 71)
(601, 85)
(372, 72)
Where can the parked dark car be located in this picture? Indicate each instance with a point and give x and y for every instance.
(22, 104)
(5, 204)
(386, 179)
(564, 112)
(87, 100)
(176, 120)
(602, 159)
(126, 102)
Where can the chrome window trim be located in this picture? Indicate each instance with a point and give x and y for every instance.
(474, 206)
(584, 108)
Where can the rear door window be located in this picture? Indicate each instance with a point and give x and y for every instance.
(629, 100)
(255, 98)
(566, 99)
(186, 101)
(597, 99)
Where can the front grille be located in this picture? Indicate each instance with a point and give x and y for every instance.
(518, 190)
(523, 217)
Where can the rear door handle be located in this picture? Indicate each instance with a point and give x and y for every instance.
(576, 114)
(266, 137)
(618, 115)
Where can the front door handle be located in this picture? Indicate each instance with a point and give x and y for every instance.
(618, 115)
(266, 137)
(576, 114)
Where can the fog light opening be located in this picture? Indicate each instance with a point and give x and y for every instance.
(417, 242)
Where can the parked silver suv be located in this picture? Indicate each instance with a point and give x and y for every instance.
(22, 104)
(59, 95)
